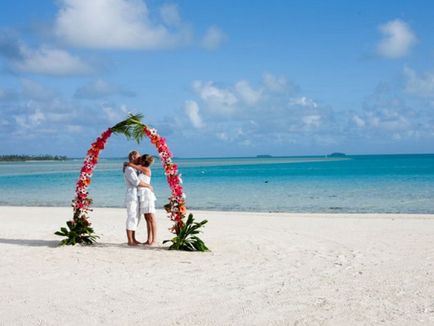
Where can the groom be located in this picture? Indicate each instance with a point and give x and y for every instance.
(132, 181)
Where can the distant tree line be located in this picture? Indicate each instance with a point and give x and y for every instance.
(32, 158)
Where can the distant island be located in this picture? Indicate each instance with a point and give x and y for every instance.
(19, 158)
(336, 155)
(264, 156)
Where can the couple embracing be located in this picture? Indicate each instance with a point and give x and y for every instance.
(140, 197)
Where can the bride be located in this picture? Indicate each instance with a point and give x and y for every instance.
(147, 197)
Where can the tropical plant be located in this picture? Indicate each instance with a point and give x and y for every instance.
(79, 231)
(132, 127)
(187, 238)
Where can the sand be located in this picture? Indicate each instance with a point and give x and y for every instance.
(264, 269)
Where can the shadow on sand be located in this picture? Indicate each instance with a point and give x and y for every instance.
(30, 242)
(126, 246)
(55, 243)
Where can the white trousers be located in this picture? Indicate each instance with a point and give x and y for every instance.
(133, 216)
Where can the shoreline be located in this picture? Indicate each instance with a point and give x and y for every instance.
(290, 214)
(263, 269)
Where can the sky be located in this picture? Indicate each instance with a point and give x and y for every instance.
(218, 78)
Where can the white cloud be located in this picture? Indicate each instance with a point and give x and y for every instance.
(101, 89)
(36, 91)
(44, 59)
(358, 121)
(29, 121)
(213, 38)
(246, 142)
(52, 122)
(302, 101)
(254, 110)
(241, 114)
(49, 61)
(192, 111)
(217, 98)
(114, 114)
(387, 115)
(273, 83)
(170, 15)
(74, 129)
(312, 120)
(387, 120)
(226, 100)
(247, 93)
(118, 24)
(222, 136)
(419, 85)
(398, 38)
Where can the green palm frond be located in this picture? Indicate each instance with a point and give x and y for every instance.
(78, 232)
(127, 127)
(187, 238)
(137, 132)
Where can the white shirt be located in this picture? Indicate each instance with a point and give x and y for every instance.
(131, 181)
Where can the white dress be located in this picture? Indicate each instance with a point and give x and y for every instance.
(146, 196)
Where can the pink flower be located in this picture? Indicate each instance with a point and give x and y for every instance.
(81, 201)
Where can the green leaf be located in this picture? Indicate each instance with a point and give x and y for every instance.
(79, 232)
(187, 239)
(132, 127)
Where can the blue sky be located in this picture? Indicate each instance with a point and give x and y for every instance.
(218, 78)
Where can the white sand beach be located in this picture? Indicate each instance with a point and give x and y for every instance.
(264, 269)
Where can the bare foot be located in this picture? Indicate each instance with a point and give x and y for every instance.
(153, 244)
(132, 244)
(137, 242)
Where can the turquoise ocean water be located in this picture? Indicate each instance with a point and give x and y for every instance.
(371, 183)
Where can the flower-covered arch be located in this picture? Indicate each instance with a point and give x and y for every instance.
(79, 228)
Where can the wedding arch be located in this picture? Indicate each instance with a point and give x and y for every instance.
(79, 228)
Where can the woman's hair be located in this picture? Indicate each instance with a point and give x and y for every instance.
(146, 160)
(131, 154)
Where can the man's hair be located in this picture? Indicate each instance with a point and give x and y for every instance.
(131, 154)
(146, 160)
